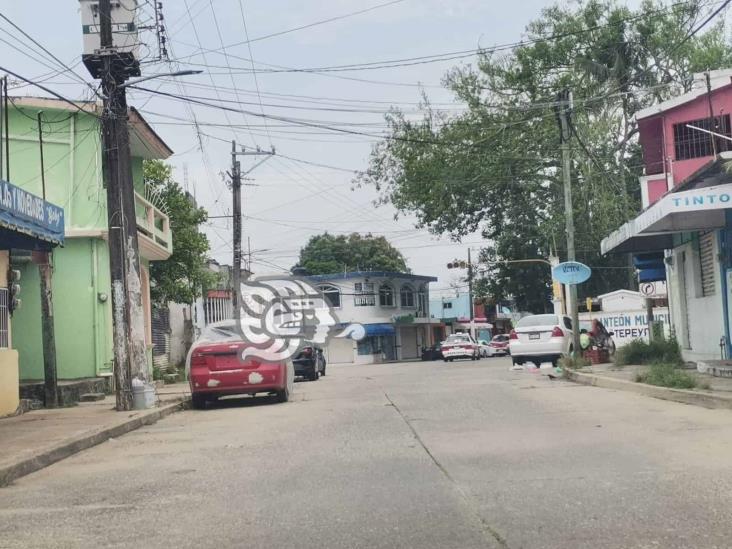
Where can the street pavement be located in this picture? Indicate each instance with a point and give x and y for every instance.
(422, 455)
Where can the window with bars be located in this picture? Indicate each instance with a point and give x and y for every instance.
(706, 264)
(4, 318)
(386, 295)
(364, 294)
(691, 143)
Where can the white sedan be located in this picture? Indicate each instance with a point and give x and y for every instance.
(459, 346)
(541, 338)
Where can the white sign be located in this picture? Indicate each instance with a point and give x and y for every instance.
(653, 289)
(629, 325)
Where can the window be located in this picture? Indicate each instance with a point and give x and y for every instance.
(567, 323)
(706, 264)
(332, 295)
(364, 294)
(386, 295)
(447, 305)
(422, 307)
(407, 296)
(690, 143)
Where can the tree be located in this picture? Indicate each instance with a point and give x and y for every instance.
(180, 278)
(329, 254)
(496, 167)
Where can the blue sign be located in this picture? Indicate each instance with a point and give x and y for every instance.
(27, 213)
(571, 272)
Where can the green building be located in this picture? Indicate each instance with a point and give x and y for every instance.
(72, 152)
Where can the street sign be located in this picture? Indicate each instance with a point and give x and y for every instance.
(653, 289)
(571, 272)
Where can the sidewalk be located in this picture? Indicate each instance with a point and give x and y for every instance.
(36, 439)
(622, 378)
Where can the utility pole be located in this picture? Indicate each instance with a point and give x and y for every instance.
(236, 177)
(127, 316)
(470, 296)
(45, 273)
(565, 110)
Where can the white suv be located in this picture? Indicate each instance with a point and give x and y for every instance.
(541, 338)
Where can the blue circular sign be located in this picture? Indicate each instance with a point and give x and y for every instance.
(571, 272)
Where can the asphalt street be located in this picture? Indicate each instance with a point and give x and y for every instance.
(414, 455)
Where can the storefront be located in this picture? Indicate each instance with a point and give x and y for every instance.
(30, 227)
(694, 229)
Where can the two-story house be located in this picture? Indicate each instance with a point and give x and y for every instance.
(687, 196)
(392, 307)
(73, 161)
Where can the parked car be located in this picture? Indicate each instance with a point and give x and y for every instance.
(459, 346)
(215, 368)
(541, 338)
(309, 362)
(599, 335)
(498, 346)
(432, 353)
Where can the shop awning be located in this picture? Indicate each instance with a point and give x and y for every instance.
(379, 329)
(694, 210)
(28, 215)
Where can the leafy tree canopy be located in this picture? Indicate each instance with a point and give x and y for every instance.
(182, 276)
(329, 254)
(496, 167)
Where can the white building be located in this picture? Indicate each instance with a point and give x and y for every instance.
(392, 307)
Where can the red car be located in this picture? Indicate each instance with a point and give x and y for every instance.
(498, 346)
(216, 368)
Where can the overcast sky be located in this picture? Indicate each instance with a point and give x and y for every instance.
(288, 201)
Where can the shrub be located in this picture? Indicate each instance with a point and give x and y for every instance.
(573, 362)
(664, 374)
(642, 352)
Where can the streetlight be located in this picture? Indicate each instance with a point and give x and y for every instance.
(187, 72)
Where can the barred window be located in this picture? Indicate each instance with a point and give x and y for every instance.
(4, 318)
(364, 294)
(706, 264)
(691, 143)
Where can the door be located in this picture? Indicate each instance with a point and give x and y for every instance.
(409, 343)
(340, 351)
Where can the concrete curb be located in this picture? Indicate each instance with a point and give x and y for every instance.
(48, 456)
(685, 396)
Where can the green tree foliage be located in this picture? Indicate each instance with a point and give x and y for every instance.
(497, 166)
(329, 254)
(182, 276)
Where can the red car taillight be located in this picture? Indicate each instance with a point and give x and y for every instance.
(557, 332)
(198, 359)
(513, 335)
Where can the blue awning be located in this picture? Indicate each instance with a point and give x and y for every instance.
(28, 214)
(379, 329)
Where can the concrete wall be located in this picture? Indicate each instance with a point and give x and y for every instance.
(180, 332)
(697, 320)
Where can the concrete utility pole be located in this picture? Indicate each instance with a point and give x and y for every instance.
(124, 262)
(470, 295)
(236, 177)
(45, 273)
(565, 111)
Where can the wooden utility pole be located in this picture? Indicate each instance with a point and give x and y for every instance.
(565, 110)
(236, 177)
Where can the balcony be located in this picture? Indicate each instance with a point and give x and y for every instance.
(153, 231)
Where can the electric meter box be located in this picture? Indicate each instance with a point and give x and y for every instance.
(125, 36)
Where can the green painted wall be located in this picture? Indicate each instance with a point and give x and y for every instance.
(82, 322)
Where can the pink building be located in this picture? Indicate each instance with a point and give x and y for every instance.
(687, 210)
